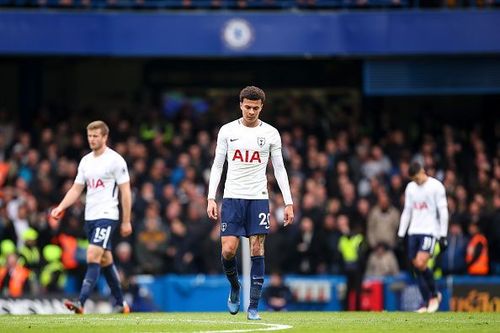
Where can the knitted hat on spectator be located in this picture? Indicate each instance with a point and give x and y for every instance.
(7, 247)
(30, 234)
(52, 252)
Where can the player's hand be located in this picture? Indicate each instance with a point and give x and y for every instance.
(125, 229)
(57, 213)
(288, 218)
(212, 209)
(54, 216)
(443, 243)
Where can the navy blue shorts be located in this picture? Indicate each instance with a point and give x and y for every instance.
(99, 232)
(243, 217)
(420, 243)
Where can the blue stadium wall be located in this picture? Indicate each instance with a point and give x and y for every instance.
(216, 34)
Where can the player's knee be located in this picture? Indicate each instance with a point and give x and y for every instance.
(105, 261)
(228, 252)
(94, 256)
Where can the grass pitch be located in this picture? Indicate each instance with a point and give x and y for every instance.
(344, 322)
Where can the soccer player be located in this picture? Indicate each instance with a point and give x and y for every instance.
(426, 213)
(102, 171)
(247, 143)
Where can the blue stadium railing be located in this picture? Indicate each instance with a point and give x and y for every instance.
(207, 4)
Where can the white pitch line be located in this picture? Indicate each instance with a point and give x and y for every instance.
(270, 327)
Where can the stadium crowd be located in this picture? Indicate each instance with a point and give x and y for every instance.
(347, 179)
(244, 4)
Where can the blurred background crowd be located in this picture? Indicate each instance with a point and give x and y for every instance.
(347, 173)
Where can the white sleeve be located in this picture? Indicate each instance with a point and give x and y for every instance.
(406, 215)
(80, 175)
(120, 171)
(216, 172)
(281, 176)
(442, 206)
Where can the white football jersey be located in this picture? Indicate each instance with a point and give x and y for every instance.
(426, 209)
(102, 174)
(247, 150)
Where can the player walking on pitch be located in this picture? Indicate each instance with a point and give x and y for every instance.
(247, 143)
(101, 171)
(426, 213)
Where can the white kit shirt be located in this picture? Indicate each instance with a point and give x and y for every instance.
(247, 151)
(102, 174)
(426, 209)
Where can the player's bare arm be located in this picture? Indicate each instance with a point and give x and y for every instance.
(282, 179)
(71, 196)
(212, 210)
(126, 203)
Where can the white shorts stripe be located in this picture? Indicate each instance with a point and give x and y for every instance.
(106, 238)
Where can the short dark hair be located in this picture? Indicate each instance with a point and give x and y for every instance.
(252, 93)
(415, 168)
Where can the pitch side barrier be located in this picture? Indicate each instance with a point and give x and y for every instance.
(188, 293)
(192, 293)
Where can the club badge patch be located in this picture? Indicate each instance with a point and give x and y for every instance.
(261, 141)
(223, 227)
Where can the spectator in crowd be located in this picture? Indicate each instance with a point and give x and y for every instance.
(152, 242)
(477, 258)
(29, 254)
(277, 295)
(276, 241)
(382, 262)
(124, 261)
(353, 252)
(332, 237)
(7, 247)
(307, 256)
(52, 276)
(211, 248)
(453, 258)
(15, 279)
(383, 223)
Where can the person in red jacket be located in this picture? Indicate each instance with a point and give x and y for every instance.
(476, 257)
(14, 278)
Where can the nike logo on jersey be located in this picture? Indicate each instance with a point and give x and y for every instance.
(232, 140)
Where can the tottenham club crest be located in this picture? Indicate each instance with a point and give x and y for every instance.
(261, 141)
(237, 34)
(223, 227)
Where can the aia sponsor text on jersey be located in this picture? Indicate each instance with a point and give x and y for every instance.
(95, 183)
(420, 205)
(246, 156)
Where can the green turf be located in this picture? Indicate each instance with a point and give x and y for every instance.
(381, 322)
